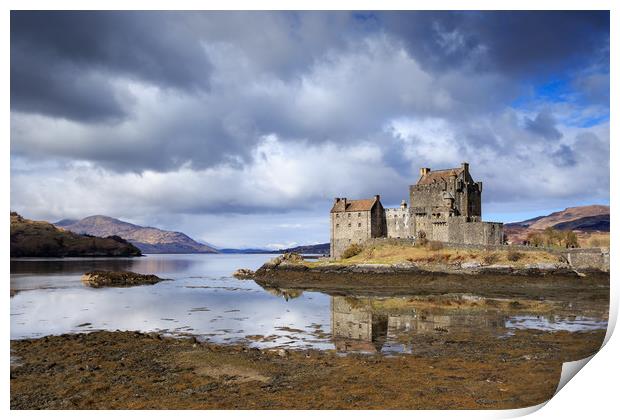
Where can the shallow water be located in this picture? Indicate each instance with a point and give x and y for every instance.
(203, 299)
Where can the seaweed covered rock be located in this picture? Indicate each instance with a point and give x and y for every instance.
(287, 258)
(99, 279)
(243, 273)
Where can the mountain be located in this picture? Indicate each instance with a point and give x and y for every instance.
(586, 219)
(247, 251)
(31, 238)
(598, 223)
(322, 249)
(567, 215)
(65, 222)
(150, 240)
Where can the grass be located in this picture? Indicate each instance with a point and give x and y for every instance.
(393, 254)
(595, 240)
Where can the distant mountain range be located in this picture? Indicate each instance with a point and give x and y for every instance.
(149, 240)
(319, 249)
(31, 238)
(587, 219)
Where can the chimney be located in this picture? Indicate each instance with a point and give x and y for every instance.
(377, 197)
(465, 166)
(424, 171)
(336, 200)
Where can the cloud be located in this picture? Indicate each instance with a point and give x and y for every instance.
(544, 126)
(170, 117)
(515, 43)
(282, 177)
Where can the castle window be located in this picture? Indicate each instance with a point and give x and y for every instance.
(359, 225)
(348, 214)
(349, 224)
(337, 215)
(359, 214)
(337, 224)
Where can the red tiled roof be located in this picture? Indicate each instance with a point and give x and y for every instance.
(353, 205)
(440, 175)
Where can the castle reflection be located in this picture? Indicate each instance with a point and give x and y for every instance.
(370, 324)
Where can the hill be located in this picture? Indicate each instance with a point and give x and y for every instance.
(31, 238)
(584, 219)
(569, 214)
(322, 249)
(150, 240)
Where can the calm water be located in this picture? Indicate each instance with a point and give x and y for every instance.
(203, 299)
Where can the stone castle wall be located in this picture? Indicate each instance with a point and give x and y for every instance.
(400, 223)
(445, 205)
(349, 228)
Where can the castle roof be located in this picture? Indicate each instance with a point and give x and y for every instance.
(342, 204)
(438, 175)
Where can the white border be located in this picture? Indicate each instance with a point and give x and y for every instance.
(592, 394)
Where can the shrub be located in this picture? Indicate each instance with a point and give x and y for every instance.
(490, 258)
(535, 239)
(421, 242)
(595, 242)
(352, 251)
(434, 246)
(514, 255)
(570, 239)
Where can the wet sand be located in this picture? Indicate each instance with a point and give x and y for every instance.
(130, 370)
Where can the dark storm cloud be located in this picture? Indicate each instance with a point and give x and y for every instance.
(543, 125)
(60, 61)
(519, 43)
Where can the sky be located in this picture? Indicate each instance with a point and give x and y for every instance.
(240, 128)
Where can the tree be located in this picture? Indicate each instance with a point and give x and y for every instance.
(570, 239)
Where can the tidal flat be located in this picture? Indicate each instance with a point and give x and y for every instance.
(206, 340)
(131, 370)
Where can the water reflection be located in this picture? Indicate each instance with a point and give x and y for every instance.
(368, 324)
(202, 299)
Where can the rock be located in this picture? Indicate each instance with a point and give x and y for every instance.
(288, 257)
(472, 264)
(243, 273)
(372, 268)
(99, 279)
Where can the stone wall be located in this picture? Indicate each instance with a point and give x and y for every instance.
(424, 198)
(455, 193)
(348, 228)
(400, 223)
(378, 224)
(460, 230)
(592, 258)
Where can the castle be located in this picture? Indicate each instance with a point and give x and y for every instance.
(445, 205)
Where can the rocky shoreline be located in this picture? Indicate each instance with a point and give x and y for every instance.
(542, 269)
(536, 281)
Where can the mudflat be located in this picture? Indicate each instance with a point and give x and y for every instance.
(131, 370)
